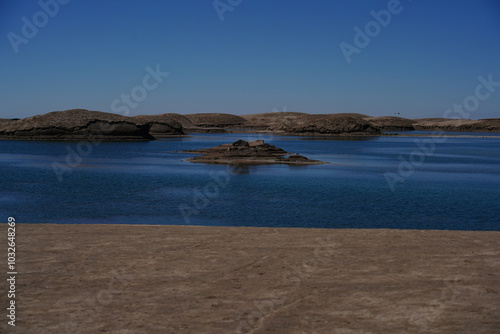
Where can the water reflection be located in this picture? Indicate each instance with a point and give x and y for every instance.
(241, 169)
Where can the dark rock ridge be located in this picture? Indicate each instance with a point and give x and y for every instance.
(273, 120)
(388, 123)
(312, 124)
(254, 152)
(302, 123)
(184, 121)
(458, 125)
(330, 125)
(391, 123)
(353, 123)
(164, 125)
(181, 119)
(80, 124)
(75, 124)
(216, 120)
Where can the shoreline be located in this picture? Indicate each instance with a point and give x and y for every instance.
(260, 227)
(277, 134)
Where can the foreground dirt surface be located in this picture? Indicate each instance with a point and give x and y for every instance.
(184, 279)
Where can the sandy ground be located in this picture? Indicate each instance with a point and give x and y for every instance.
(182, 279)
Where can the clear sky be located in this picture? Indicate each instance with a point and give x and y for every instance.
(263, 55)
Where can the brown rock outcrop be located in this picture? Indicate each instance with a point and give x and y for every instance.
(186, 123)
(163, 125)
(311, 124)
(254, 152)
(391, 123)
(458, 125)
(331, 125)
(75, 124)
(268, 121)
(216, 120)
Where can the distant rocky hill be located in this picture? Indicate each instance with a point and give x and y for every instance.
(77, 124)
(216, 125)
(216, 120)
(388, 123)
(330, 125)
(163, 125)
(391, 123)
(458, 125)
(323, 124)
(352, 123)
(273, 120)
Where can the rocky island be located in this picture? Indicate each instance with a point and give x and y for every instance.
(251, 153)
(82, 124)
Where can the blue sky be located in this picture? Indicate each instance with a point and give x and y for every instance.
(264, 55)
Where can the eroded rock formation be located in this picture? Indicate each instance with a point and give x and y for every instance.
(254, 152)
(75, 124)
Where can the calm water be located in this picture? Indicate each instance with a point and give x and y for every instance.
(455, 187)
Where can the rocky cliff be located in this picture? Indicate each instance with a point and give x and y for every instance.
(187, 126)
(217, 120)
(330, 125)
(163, 125)
(391, 123)
(75, 124)
(458, 125)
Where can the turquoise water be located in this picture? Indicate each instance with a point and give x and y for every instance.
(456, 186)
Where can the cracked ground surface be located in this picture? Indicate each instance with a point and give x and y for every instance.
(186, 279)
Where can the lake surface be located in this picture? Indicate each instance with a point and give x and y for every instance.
(373, 182)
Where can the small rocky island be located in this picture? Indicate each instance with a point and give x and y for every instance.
(252, 153)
